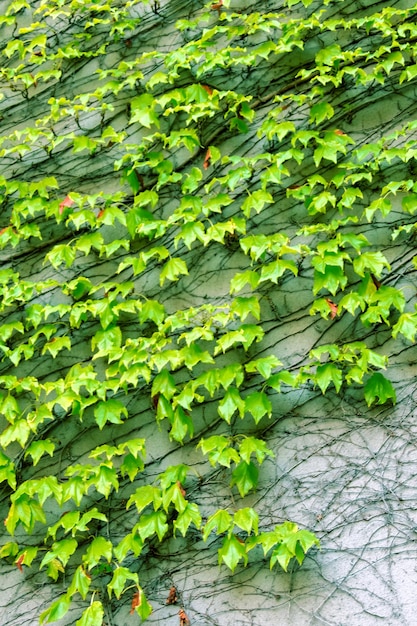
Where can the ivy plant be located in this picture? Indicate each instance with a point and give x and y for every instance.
(97, 327)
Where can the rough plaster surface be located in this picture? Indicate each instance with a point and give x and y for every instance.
(342, 470)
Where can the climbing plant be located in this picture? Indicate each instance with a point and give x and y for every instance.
(127, 167)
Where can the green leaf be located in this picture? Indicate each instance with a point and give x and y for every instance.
(409, 204)
(230, 403)
(175, 496)
(118, 581)
(256, 201)
(329, 55)
(173, 474)
(79, 288)
(129, 542)
(190, 515)
(351, 301)
(142, 606)
(379, 390)
(221, 520)
(56, 611)
(326, 374)
(193, 355)
(164, 409)
(232, 552)
(145, 495)
(27, 556)
(106, 480)
(283, 376)
(136, 218)
(152, 310)
(9, 549)
(290, 542)
(273, 271)
(61, 254)
(245, 477)
(246, 306)
(172, 270)
(61, 550)
(18, 431)
(106, 340)
(406, 325)
(99, 548)
(181, 425)
(258, 404)
(143, 110)
(252, 445)
(80, 583)
(219, 450)
(190, 232)
(332, 279)
(131, 466)
(247, 519)
(240, 280)
(92, 615)
(164, 384)
(152, 524)
(38, 448)
(56, 344)
(75, 488)
(380, 204)
(264, 365)
(392, 58)
(373, 262)
(109, 411)
(320, 112)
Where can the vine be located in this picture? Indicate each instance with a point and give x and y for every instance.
(121, 188)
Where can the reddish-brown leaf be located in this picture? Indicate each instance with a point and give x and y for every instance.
(19, 562)
(135, 601)
(333, 308)
(172, 596)
(207, 159)
(184, 621)
(217, 5)
(66, 202)
(207, 88)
